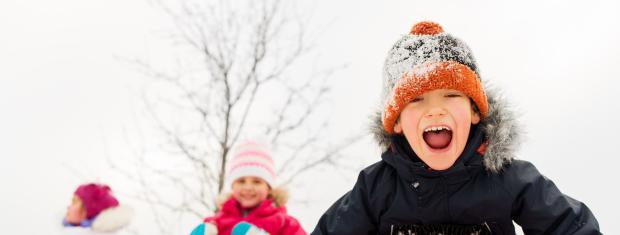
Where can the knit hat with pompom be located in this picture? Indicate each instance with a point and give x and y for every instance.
(95, 198)
(427, 59)
(252, 158)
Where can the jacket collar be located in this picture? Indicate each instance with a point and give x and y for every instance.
(264, 209)
(409, 166)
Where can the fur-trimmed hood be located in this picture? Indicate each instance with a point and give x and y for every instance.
(502, 132)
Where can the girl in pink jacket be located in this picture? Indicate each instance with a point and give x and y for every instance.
(253, 206)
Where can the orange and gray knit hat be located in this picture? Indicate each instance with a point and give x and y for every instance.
(427, 59)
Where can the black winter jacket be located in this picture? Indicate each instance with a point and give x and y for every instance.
(485, 189)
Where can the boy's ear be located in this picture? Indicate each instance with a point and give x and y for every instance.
(475, 113)
(397, 128)
(475, 118)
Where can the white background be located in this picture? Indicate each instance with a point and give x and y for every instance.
(66, 101)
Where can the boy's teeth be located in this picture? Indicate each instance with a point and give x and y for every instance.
(436, 128)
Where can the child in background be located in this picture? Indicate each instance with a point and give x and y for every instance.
(254, 206)
(448, 165)
(94, 209)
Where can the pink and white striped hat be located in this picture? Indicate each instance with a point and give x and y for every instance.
(252, 159)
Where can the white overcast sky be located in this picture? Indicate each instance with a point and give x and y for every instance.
(66, 100)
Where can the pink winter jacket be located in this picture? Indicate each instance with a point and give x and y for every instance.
(266, 216)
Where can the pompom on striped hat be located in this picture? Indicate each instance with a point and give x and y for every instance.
(252, 159)
(427, 59)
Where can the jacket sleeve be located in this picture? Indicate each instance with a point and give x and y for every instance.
(540, 207)
(350, 215)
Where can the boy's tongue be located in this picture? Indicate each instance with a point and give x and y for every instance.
(438, 139)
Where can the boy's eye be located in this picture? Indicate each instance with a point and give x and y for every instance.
(453, 95)
(416, 99)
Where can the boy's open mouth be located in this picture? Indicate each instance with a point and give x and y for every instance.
(437, 137)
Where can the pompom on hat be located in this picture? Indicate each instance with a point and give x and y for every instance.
(95, 198)
(424, 60)
(252, 159)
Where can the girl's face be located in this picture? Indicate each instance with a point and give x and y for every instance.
(436, 125)
(75, 212)
(250, 191)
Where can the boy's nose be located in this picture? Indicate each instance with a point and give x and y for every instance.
(436, 112)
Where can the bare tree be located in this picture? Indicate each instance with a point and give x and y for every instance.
(243, 69)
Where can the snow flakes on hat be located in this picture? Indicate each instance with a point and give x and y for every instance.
(428, 59)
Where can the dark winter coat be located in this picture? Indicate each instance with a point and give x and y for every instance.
(485, 188)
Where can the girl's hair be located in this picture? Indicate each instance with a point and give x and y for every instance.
(279, 195)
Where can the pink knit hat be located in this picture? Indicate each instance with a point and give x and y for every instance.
(96, 198)
(252, 159)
